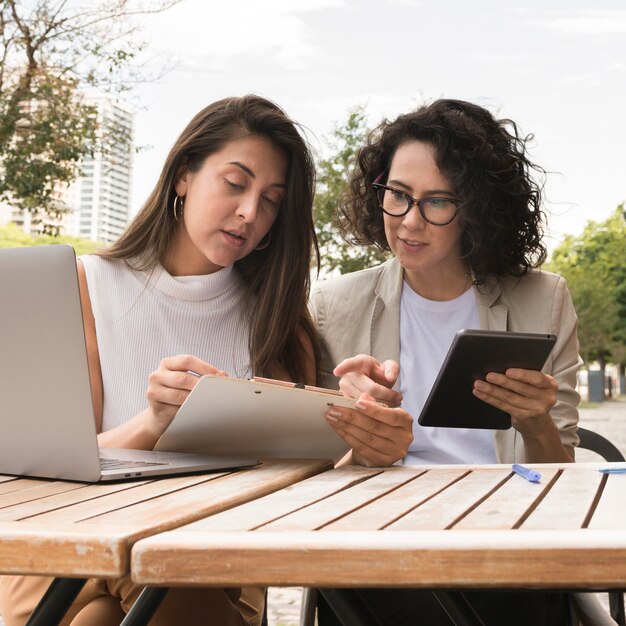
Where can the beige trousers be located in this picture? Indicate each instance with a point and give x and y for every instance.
(105, 602)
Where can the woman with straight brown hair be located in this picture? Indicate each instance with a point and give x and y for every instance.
(211, 277)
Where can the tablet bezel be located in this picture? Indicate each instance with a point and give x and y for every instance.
(472, 355)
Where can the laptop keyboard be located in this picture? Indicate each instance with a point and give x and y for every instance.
(115, 464)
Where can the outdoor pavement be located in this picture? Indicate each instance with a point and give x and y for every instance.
(607, 418)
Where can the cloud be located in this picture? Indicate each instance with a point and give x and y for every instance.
(408, 3)
(221, 32)
(586, 22)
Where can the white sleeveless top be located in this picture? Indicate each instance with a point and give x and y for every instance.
(143, 317)
(427, 328)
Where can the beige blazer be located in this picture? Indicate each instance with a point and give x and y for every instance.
(359, 313)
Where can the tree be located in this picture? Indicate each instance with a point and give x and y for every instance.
(332, 178)
(13, 237)
(594, 265)
(51, 52)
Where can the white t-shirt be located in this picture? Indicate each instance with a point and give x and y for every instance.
(427, 328)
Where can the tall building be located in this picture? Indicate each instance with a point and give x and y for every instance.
(38, 222)
(101, 197)
(6, 213)
(97, 205)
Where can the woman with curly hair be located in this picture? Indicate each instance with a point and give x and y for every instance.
(448, 190)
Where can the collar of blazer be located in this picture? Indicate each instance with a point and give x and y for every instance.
(493, 313)
(389, 285)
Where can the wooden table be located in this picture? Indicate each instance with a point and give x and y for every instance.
(430, 527)
(74, 530)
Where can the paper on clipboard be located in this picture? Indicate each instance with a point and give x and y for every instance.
(234, 417)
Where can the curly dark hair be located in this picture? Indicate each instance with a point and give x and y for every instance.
(486, 161)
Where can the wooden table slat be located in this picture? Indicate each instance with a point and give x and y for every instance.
(389, 507)
(611, 510)
(507, 506)
(452, 558)
(31, 493)
(10, 483)
(210, 497)
(275, 505)
(320, 513)
(568, 502)
(446, 507)
(100, 499)
(87, 500)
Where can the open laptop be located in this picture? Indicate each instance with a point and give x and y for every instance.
(47, 426)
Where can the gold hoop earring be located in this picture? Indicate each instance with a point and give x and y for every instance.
(177, 207)
(264, 245)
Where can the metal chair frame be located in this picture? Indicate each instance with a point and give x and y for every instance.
(590, 440)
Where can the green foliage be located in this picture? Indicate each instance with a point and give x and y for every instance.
(337, 255)
(594, 265)
(12, 237)
(51, 51)
(47, 131)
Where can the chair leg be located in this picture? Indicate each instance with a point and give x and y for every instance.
(308, 606)
(616, 606)
(56, 601)
(264, 616)
(145, 606)
(458, 609)
(348, 607)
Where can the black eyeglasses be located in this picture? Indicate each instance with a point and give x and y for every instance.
(437, 211)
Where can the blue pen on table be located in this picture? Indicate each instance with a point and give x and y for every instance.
(530, 475)
(614, 468)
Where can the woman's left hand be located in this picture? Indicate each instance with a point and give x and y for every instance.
(378, 435)
(527, 395)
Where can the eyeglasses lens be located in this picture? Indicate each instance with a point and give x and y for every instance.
(438, 211)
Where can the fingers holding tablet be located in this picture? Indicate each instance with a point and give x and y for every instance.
(489, 376)
(523, 394)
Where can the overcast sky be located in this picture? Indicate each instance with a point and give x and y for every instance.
(558, 68)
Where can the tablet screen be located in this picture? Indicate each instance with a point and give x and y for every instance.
(472, 355)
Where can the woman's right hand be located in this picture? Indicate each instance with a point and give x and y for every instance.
(169, 386)
(364, 374)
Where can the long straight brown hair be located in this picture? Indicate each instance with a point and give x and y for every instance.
(278, 277)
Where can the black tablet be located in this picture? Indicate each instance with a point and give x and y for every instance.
(472, 355)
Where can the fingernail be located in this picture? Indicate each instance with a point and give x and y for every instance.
(360, 404)
(331, 419)
(333, 413)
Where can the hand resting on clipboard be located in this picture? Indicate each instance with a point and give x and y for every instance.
(261, 417)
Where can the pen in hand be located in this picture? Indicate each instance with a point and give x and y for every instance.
(530, 475)
(217, 373)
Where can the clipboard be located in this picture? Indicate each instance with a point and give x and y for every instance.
(472, 355)
(259, 417)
